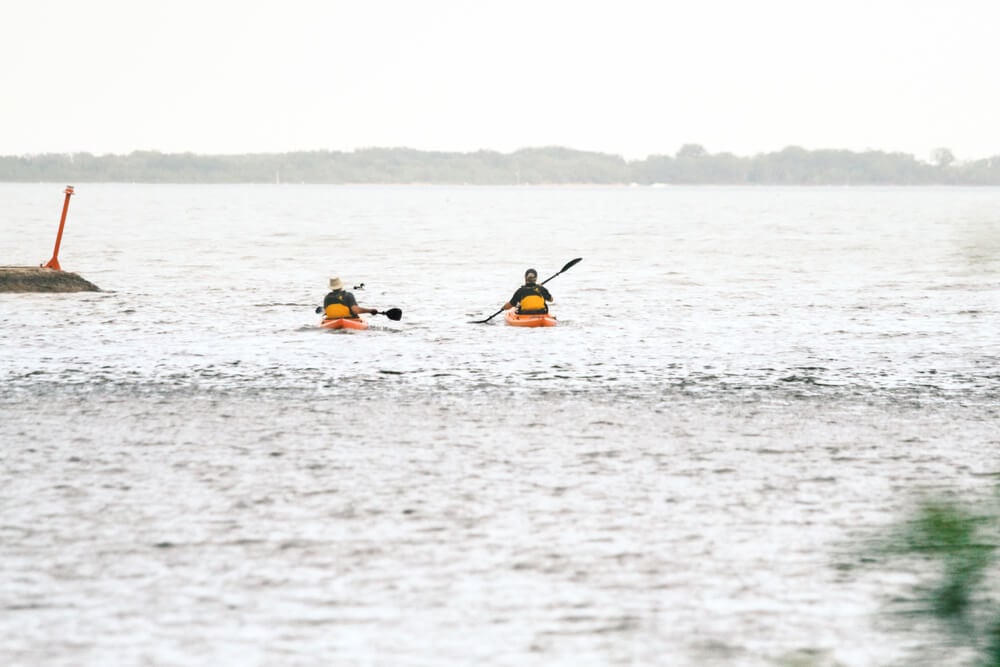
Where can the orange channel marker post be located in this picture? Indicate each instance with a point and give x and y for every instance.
(54, 262)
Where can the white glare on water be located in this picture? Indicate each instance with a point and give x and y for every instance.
(744, 383)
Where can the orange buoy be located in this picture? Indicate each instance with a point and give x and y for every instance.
(54, 262)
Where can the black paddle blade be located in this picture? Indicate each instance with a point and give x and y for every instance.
(487, 319)
(571, 263)
(319, 309)
(394, 314)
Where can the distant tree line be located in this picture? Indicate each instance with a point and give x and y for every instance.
(692, 164)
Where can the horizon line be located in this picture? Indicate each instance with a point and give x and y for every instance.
(490, 150)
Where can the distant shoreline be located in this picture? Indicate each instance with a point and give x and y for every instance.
(691, 165)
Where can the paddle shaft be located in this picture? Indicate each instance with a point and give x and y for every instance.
(394, 314)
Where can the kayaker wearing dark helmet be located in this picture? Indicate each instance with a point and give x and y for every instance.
(530, 298)
(340, 303)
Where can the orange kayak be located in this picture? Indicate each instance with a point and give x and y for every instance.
(344, 323)
(542, 320)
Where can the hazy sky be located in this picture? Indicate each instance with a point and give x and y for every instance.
(629, 77)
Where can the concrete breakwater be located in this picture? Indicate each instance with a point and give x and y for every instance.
(42, 279)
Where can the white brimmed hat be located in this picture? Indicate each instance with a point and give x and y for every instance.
(336, 284)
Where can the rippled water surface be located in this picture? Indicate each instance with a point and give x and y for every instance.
(745, 384)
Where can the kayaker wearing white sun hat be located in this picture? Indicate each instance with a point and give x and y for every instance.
(340, 303)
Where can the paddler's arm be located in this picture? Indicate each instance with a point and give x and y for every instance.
(357, 310)
(514, 299)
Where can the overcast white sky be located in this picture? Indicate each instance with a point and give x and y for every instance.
(628, 77)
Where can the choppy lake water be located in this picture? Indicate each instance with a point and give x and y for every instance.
(745, 384)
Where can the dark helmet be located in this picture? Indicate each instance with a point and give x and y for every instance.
(530, 272)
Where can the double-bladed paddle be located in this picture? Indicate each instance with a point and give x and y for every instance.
(570, 264)
(394, 314)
